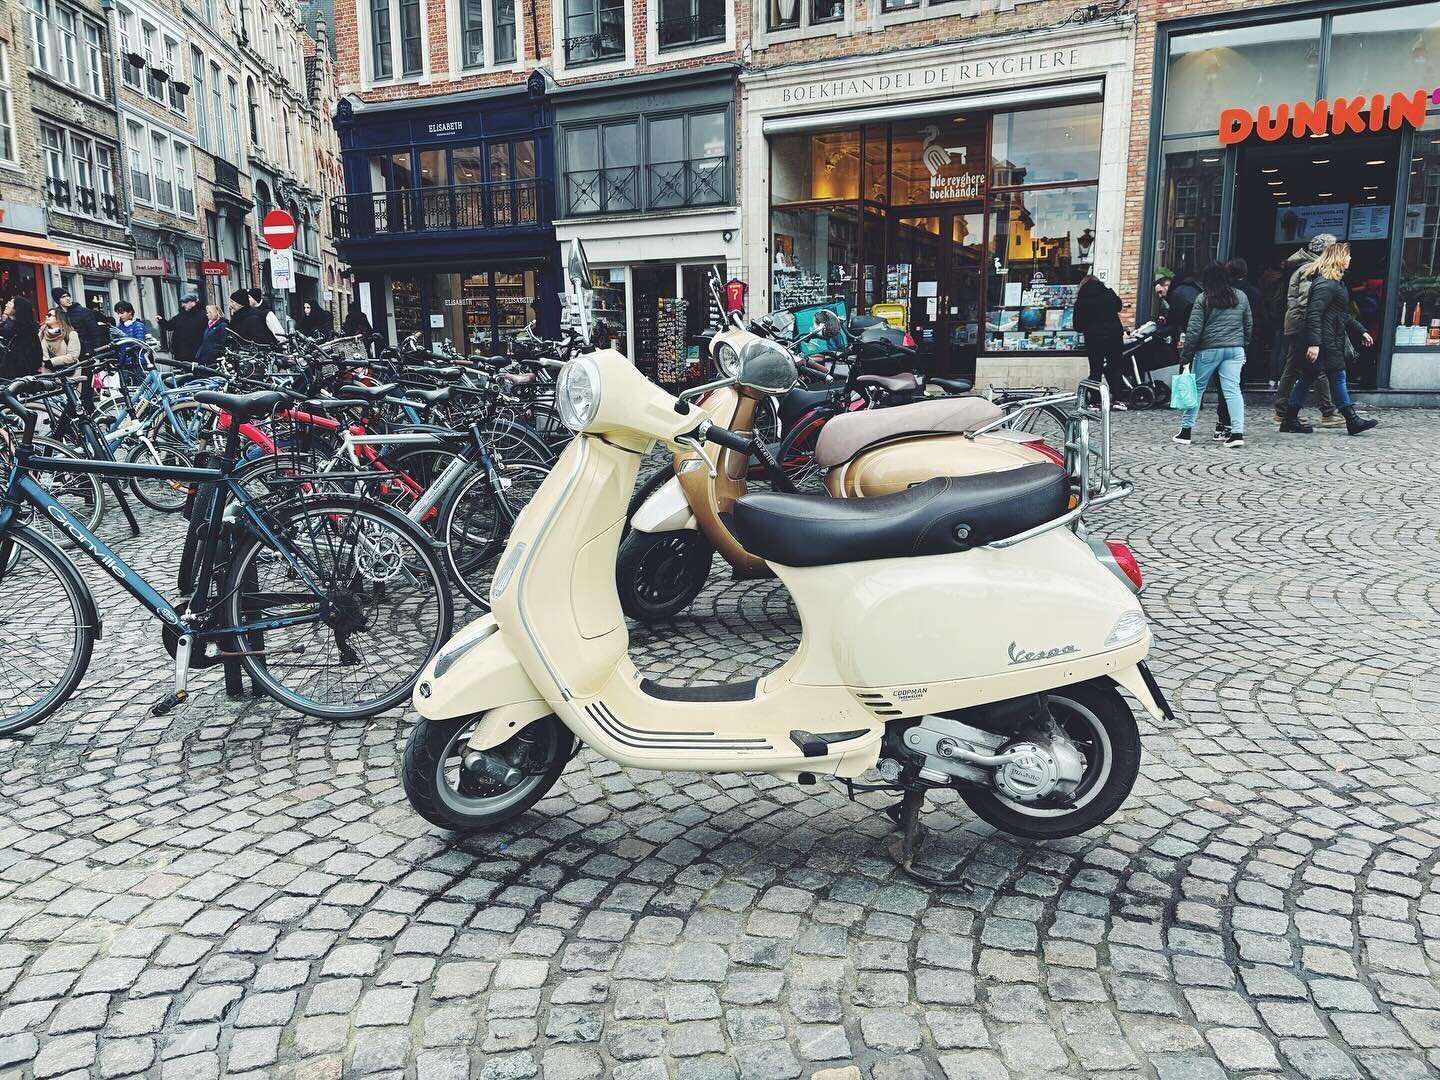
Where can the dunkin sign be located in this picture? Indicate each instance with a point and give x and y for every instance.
(1338, 116)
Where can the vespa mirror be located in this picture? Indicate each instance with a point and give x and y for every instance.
(827, 324)
(766, 366)
(580, 293)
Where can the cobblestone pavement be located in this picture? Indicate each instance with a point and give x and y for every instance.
(232, 890)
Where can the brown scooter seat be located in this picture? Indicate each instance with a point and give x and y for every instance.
(943, 515)
(849, 433)
(893, 383)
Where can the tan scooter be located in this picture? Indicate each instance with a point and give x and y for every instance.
(956, 635)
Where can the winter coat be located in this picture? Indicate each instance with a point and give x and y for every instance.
(212, 343)
(1097, 312)
(1181, 299)
(1218, 328)
(1257, 308)
(1327, 321)
(317, 324)
(93, 335)
(134, 330)
(249, 323)
(1302, 275)
(60, 352)
(186, 329)
(22, 356)
(356, 323)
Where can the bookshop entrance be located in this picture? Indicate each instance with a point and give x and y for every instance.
(937, 268)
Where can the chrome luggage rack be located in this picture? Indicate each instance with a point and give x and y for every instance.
(1092, 483)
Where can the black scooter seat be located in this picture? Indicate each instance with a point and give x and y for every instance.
(943, 515)
(796, 402)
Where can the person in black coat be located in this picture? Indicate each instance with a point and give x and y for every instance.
(315, 321)
(247, 322)
(92, 334)
(22, 353)
(185, 329)
(1097, 316)
(1326, 337)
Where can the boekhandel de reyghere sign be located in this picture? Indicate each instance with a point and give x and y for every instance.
(936, 78)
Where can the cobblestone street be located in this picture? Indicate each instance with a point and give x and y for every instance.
(233, 890)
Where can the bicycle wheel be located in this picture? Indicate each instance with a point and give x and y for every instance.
(47, 628)
(384, 603)
(83, 494)
(418, 467)
(167, 496)
(475, 524)
(796, 454)
(515, 440)
(1049, 422)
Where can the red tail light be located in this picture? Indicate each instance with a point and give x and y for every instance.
(1125, 559)
(1040, 446)
(907, 340)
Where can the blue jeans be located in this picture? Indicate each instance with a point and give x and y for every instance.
(1309, 373)
(1228, 363)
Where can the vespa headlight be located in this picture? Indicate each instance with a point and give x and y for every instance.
(727, 360)
(577, 393)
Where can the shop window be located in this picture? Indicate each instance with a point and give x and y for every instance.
(1384, 50)
(685, 23)
(876, 185)
(1420, 251)
(602, 168)
(1046, 146)
(793, 14)
(513, 194)
(1244, 67)
(820, 165)
(937, 159)
(7, 108)
(594, 31)
(1040, 249)
(816, 255)
(1189, 211)
(689, 163)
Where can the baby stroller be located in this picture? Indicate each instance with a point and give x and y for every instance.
(1147, 352)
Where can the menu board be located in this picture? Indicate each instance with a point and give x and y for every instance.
(1296, 224)
(1369, 221)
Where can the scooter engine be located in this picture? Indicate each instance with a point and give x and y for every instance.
(1038, 772)
(1025, 771)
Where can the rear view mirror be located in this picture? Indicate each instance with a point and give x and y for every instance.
(827, 323)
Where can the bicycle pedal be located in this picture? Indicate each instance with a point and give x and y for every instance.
(168, 702)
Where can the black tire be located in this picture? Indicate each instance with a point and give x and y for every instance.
(1094, 708)
(796, 453)
(658, 575)
(510, 439)
(1142, 397)
(351, 546)
(40, 593)
(436, 781)
(166, 496)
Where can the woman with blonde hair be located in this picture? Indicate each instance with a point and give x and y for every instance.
(1326, 335)
(59, 341)
(212, 341)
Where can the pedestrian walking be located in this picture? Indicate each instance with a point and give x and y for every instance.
(1327, 343)
(93, 334)
(274, 328)
(1302, 267)
(212, 342)
(59, 343)
(246, 322)
(315, 321)
(185, 329)
(1097, 316)
(22, 354)
(1239, 271)
(1221, 325)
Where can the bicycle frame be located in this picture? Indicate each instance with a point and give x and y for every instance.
(29, 490)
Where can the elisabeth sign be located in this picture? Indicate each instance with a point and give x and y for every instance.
(1339, 116)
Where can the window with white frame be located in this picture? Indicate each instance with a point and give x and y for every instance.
(139, 167)
(57, 171)
(487, 33)
(105, 182)
(8, 152)
(184, 184)
(594, 31)
(232, 93)
(396, 39)
(687, 23)
(253, 108)
(40, 51)
(212, 16)
(94, 59)
(67, 45)
(164, 178)
(202, 104)
(175, 99)
(505, 32)
(129, 40)
(82, 174)
(802, 14)
(150, 48)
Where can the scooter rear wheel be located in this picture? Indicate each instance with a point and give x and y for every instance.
(446, 792)
(658, 574)
(1102, 726)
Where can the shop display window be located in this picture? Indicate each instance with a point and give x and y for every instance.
(816, 255)
(816, 165)
(1384, 50)
(1419, 324)
(1046, 146)
(1243, 67)
(1042, 241)
(1191, 186)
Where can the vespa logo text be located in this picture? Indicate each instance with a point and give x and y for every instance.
(1020, 656)
(105, 559)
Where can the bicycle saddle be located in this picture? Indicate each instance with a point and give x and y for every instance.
(894, 383)
(952, 386)
(244, 406)
(430, 397)
(943, 515)
(368, 393)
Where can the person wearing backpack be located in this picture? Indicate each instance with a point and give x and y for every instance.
(1220, 326)
(1302, 276)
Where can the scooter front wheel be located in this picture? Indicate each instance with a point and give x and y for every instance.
(659, 574)
(1100, 724)
(456, 788)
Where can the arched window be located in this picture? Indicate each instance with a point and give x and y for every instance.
(262, 200)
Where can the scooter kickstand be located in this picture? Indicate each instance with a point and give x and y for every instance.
(906, 847)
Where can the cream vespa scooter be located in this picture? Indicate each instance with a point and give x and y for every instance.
(957, 634)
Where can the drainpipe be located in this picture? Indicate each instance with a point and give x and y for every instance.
(534, 29)
(124, 202)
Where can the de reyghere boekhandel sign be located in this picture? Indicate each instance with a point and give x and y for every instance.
(1338, 116)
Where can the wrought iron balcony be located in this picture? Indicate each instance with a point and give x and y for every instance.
(506, 204)
(227, 176)
(593, 48)
(603, 191)
(701, 182)
(57, 192)
(692, 30)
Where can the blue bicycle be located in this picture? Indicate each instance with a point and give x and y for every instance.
(332, 603)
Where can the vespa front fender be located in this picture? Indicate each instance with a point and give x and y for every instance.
(1144, 689)
(666, 511)
(476, 672)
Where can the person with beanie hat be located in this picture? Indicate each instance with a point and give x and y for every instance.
(273, 326)
(243, 319)
(83, 321)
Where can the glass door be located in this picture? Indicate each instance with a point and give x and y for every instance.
(963, 289)
(933, 278)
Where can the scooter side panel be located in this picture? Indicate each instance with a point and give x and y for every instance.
(665, 511)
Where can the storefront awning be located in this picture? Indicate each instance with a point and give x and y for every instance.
(1089, 90)
(22, 247)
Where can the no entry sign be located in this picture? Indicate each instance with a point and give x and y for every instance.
(279, 229)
